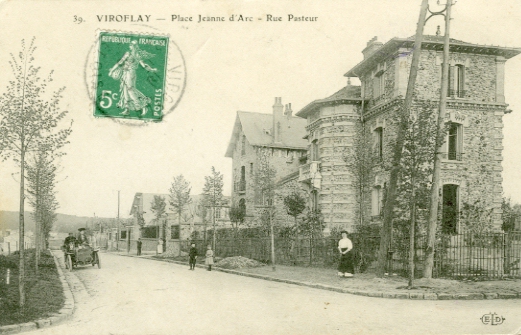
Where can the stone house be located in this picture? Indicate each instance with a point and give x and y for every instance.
(279, 136)
(472, 151)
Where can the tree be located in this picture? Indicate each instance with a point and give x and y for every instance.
(213, 195)
(361, 162)
(414, 183)
(510, 215)
(295, 205)
(312, 226)
(402, 117)
(41, 178)
(202, 211)
(29, 118)
(237, 216)
(180, 197)
(264, 180)
(158, 207)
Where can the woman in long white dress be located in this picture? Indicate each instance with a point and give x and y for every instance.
(131, 99)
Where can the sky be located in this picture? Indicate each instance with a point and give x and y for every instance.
(230, 66)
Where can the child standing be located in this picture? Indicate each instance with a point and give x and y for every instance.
(193, 256)
(209, 258)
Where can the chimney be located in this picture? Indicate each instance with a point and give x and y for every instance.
(371, 47)
(277, 117)
(288, 111)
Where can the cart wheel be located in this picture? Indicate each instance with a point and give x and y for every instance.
(69, 263)
(97, 261)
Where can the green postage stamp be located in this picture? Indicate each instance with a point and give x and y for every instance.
(131, 75)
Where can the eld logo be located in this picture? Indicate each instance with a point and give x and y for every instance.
(492, 319)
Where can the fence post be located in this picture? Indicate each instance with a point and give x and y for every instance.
(506, 253)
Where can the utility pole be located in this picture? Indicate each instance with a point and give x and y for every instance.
(213, 217)
(403, 122)
(117, 229)
(434, 200)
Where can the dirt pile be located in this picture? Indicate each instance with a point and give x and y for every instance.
(238, 262)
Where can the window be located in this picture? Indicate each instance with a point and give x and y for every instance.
(175, 232)
(314, 200)
(450, 209)
(243, 145)
(251, 169)
(241, 187)
(376, 201)
(456, 81)
(242, 205)
(378, 84)
(217, 212)
(123, 235)
(150, 232)
(314, 151)
(454, 142)
(379, 142)
(459, 81)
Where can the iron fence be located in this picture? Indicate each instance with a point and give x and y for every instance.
(485, 255)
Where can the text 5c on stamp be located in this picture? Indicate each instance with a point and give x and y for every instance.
(131, 76)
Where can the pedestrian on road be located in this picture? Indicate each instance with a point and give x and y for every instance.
(139, 246)
(209, 258)
(345, 266)
(193, 256)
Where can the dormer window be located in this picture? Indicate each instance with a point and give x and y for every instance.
(378, 84)
(243, 145)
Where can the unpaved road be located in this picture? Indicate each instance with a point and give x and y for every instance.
(141, 296)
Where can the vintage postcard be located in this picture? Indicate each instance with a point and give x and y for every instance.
(260, 167)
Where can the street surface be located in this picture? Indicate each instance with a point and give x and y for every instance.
(142, 296)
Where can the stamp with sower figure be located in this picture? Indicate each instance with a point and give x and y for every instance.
(131, 76)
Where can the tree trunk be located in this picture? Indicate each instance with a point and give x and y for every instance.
(434, 202)
(387, 227)
(272, 241)
(412, 233)
(21, 246)
(37, 223)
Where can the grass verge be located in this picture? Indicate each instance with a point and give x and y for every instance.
(43, 293)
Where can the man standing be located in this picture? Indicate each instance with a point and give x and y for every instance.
(139, 245)
(193, 256)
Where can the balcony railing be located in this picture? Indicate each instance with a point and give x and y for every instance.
(308, 171)
(452, 156)
(456, 93)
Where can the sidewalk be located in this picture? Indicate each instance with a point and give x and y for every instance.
(369, 285)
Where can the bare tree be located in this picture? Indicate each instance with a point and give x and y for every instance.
(29, 118)
(264, 180)
(41, 178)
(180, 197)
(213, 195)
(158, 207)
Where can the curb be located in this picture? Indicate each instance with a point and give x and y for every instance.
(63, 314)
(375, 294)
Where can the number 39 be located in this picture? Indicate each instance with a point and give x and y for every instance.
(109, 96)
